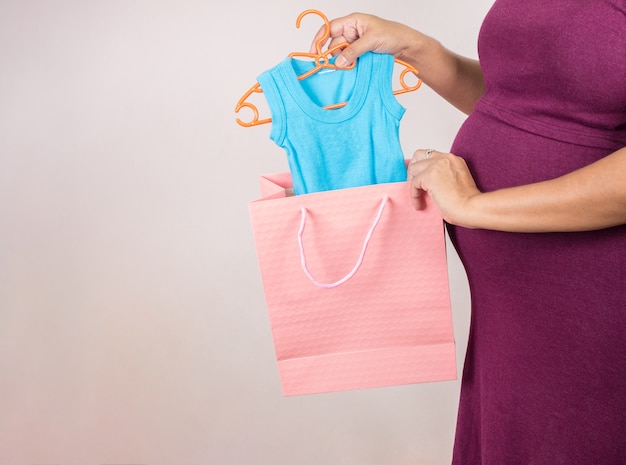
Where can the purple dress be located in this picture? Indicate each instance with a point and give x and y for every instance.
(544, 381)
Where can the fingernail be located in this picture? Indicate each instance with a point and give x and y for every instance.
(341, 62)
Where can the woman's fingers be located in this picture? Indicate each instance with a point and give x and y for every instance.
(419, 163)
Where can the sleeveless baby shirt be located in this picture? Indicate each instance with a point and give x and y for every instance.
(352, 146)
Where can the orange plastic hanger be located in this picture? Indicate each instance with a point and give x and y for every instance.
(322, 60)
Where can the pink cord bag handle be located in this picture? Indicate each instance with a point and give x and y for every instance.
(359, 261)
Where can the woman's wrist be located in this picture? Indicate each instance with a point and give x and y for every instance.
(469, 213)
(416, 48)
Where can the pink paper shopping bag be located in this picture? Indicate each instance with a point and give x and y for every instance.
(356, 287)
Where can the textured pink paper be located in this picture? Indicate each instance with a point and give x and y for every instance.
(390, 324)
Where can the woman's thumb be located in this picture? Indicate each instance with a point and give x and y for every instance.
(349, 54)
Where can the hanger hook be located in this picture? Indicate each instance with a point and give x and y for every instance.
(324, 38)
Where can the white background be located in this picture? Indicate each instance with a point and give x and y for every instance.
(133, 327)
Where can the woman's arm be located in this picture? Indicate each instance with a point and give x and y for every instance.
(457, 79)
(590, 198)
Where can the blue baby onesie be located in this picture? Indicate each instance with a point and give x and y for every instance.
(352, 146)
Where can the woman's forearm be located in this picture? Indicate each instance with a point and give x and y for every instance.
(593, 197)
(457, 79)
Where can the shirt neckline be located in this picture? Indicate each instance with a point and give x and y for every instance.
(354, 103)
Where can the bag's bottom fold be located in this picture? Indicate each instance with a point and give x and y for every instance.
(377, 368)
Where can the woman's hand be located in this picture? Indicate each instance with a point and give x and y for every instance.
(448, 181)
(366, 33)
